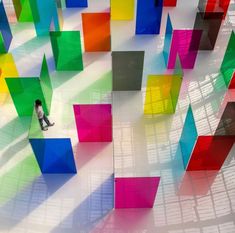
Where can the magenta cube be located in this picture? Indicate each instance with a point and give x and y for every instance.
(135, 192)
(94, 122)
(185, 44)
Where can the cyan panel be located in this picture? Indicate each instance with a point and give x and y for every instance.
(45, 13)
(167, 41)
(188, 137)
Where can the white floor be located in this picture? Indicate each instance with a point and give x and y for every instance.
(196, 202)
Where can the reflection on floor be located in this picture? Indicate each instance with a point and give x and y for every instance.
(142, 145)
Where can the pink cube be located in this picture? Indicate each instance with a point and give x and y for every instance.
(94, 122)
(135, 192)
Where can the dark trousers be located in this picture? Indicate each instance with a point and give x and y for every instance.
(44, 118)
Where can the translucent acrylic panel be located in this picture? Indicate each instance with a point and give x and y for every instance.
(226, 125)
(148, 18)
(45, 82)
(122, 9)
(23, 10)
(54, 155)
(35, 130)
(24, 92)
(188, 137)
(135, 192)
(232, 82)
(127, 68)
(175, 89)
(228, 64)
(209, 5)
(185, 44)
(213, 5)
(167, 40)
(5, 30)
(169, 3)
(202, 5)
(45, 14)
(178, 68)
(60, 6)
(210, 152)
(224, 4)
(94, 122)
(210, 24)
(67, 51)
(162, 94)
(8, 69)
(96, 25)
(76, 3)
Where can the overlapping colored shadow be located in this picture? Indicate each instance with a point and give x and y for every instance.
(10, 152)
(25, 190)
(101, 86)
(29, 45)
(17, 178)
(87, 151)
(197, 182)
(13, 129)
(127, 220)
(93, 209)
